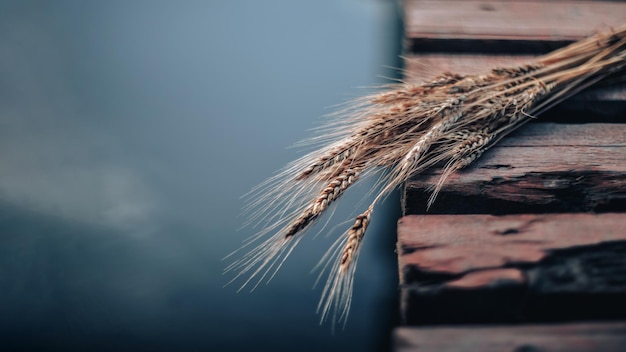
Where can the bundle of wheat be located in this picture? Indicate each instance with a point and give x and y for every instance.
(447, 123)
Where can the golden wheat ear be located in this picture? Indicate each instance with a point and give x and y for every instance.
(337, 294)
(446, 123)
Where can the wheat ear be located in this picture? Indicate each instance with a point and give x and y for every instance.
(337, 293)
(446, 123)
(347, 177)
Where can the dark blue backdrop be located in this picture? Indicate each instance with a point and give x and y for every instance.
(128, 132)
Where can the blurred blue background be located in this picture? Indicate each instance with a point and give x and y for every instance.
(128, 132)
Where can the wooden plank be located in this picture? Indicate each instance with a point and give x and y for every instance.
(435, 243)
(540, 168)
(531, 20)
(427, 66)
(485, 268)
(576, 337)
(471, 37)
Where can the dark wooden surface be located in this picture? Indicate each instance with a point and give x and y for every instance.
(599, 337)
(540, 168)
(500, 269)
(511, 239)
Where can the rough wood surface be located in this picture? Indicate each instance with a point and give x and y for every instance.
(540, 168)
(485, 268)
(531, 20)
(587, 337)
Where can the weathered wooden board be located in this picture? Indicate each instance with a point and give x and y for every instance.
(471, 37)
(540, 168)
(581, 337)
(485, 268)
(530, 20)
(427, 66)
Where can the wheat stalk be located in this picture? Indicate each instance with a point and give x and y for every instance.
(446, 123)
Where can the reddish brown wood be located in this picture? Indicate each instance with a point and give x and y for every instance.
(581, 337)
(487, 277)
(531, 20)
(461, 244)
(485, 268)
(541, 168)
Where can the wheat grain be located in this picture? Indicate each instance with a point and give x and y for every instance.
(330, 193)
(355, 236)
(463, 151)
(336, 155)
(337, 292)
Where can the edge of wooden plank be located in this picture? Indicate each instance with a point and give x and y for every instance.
(511, 20)
(572, 337)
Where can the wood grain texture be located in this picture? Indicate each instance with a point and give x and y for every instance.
(540, 168)
(581, 337)
(510, 20)
(485, 268)
(461, 244)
